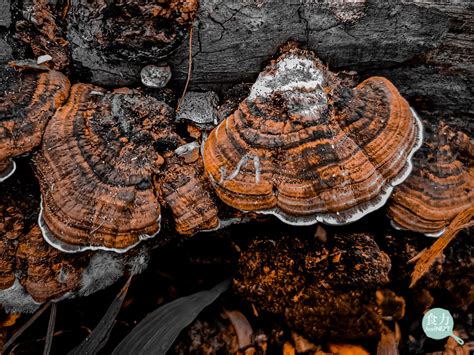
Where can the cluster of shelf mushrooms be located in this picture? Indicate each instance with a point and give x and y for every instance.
(303, 146)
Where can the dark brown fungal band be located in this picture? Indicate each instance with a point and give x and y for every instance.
(28, 100)
(306, 149)
(96, 166)
(440, 186)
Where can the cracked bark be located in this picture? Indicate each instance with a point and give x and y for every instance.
(422, 48)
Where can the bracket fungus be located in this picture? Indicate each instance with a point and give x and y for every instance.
(28, 100)
(184, 190)
(96, 166)
(440, 186)
(307, 149)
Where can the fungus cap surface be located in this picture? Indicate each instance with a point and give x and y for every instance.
(28, 100)
(96, 166)
(307, 149)
(184, 190)
(440, 186)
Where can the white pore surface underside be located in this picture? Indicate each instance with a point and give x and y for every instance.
(68, 248)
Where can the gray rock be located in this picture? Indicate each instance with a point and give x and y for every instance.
(199, 107)
(6, 51)
(5, 13)
(154, 76)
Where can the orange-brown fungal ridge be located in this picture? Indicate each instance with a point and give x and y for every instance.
(96, 166)
(183, 189)
(306, 149)
(27, 101)
(440, 186)
(46, 272)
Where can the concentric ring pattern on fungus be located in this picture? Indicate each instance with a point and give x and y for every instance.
(27, 101)
(307, 149)
(96, 166)
(440, 186)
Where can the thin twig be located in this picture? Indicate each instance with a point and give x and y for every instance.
(25, 326)
(190, 67)
(426, 260)
(50, 334)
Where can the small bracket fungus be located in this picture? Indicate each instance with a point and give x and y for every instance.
(184, 190)
(27, 101)
(96, 166)
(307, 149)
(440, 186)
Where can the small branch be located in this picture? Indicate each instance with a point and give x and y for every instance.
(426, 260)
(190, 66)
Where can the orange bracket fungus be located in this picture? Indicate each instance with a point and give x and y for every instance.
(440, 186)
(307, 149)
(28, 100)
(184, 190)
(96, 166)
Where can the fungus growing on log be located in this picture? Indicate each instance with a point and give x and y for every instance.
(307, 149)
(96, 166)
(440, 186)
(184, 190)
(28, 100)
(47, 272)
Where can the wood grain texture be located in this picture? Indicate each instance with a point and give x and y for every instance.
(307, 149)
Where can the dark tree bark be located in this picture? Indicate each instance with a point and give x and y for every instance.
(425, 48)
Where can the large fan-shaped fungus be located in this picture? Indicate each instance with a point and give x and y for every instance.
(307, 149)
(27, 101)
(440, 186)
(95, 167)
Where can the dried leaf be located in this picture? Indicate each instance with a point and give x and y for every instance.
(158, 330)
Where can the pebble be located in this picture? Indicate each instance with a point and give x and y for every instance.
(199, 107)
(154, 76)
